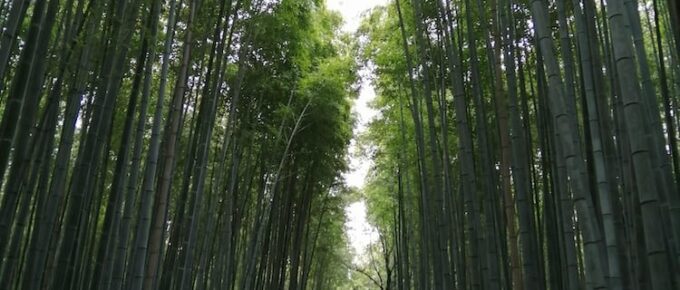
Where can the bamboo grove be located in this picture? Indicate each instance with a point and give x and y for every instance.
(531, 144)
(179, 144)
(199, 144)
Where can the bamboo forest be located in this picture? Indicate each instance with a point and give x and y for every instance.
(339, 144)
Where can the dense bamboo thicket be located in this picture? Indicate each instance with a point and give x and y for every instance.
(199, 144)
(531, 144)
(179, 144)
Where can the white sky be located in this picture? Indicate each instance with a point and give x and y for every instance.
(359, 231)
(351, 10)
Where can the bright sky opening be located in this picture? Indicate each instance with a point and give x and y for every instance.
(359, 231)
